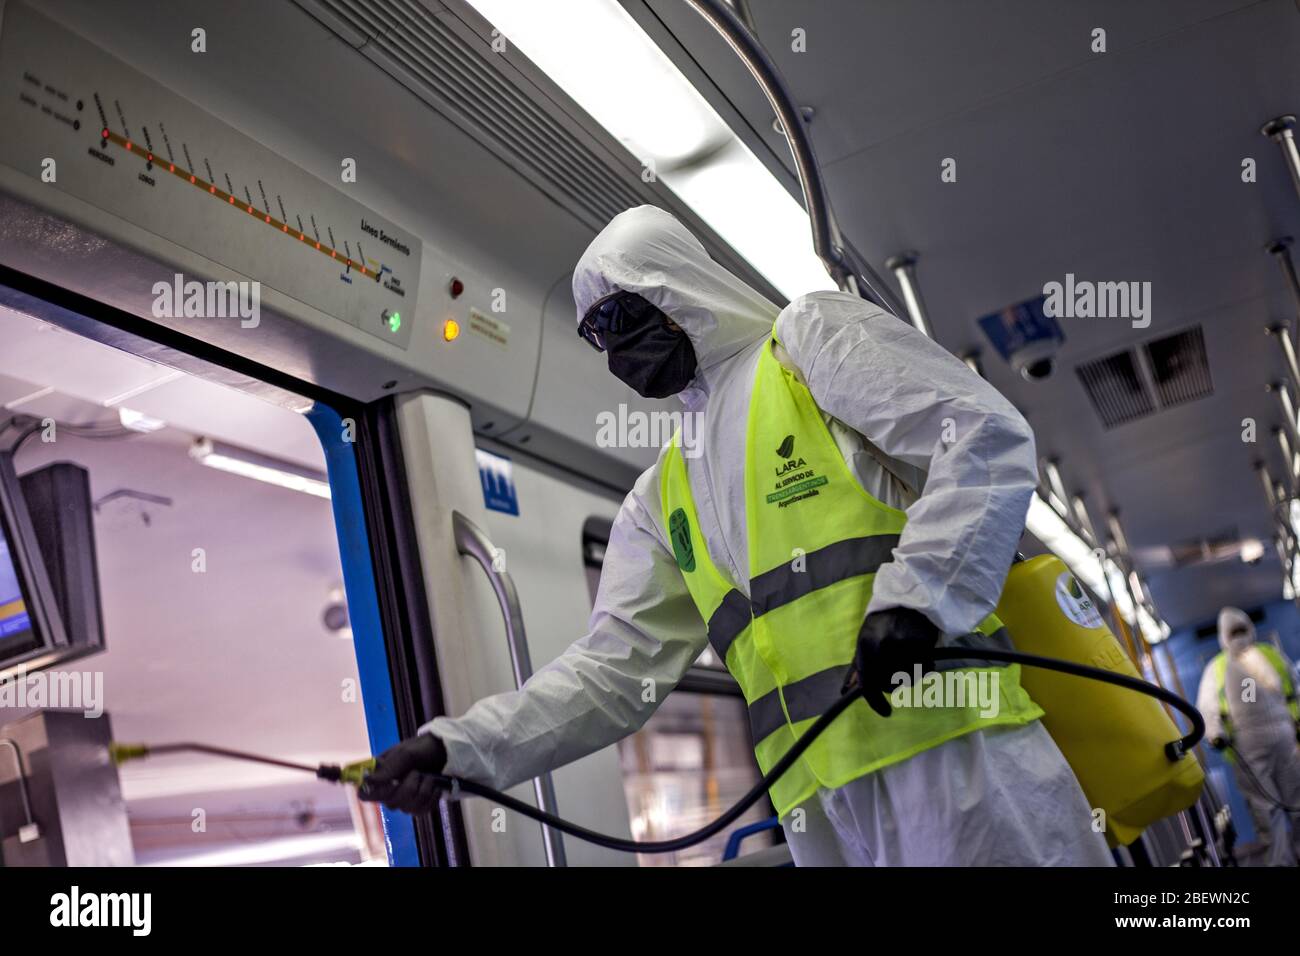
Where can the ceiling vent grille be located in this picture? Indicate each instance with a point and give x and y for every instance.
(428, 57)
(1137, 382)
(1179, 368)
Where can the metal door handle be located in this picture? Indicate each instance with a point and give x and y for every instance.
(473, 542)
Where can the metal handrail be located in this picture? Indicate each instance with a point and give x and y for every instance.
(473, 542)
(22, 778)
(849, 269)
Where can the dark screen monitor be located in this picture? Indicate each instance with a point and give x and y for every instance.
(32, 631)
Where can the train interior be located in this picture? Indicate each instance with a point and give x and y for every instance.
(298, 510)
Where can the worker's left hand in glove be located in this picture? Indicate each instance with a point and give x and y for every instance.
(891, 641)
(402, 777)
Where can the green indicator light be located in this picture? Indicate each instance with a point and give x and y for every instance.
(394, 321)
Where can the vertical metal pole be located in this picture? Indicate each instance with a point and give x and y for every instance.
(1288, 458)
(1211, 834)
(1280, 332)
(1052, 468)
(903, 266)
(1080, 508)
(1288, 422)
(1282, 131)
(1261, 469)
(1280, 249)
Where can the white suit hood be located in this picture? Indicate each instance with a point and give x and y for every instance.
(1229, 618)
(647, 251)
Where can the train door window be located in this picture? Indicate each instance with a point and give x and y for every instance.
(692, 759)
(223, 616)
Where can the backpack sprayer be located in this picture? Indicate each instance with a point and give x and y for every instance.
(1119, 745)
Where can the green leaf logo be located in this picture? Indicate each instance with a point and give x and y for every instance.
(679, 530)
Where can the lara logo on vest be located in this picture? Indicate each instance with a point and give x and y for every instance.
(795, 479)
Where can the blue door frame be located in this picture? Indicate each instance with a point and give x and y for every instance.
(363, 611)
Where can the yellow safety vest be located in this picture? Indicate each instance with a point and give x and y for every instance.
(816, 539)
(1220, 666)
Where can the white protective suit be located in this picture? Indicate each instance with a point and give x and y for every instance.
(1263, 733)
(1003, 796)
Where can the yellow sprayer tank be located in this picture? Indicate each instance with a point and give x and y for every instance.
(1113, 738)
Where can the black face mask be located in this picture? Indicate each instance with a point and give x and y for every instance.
(654, 360)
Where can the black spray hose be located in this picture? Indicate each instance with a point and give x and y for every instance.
(1173, 750)
(1259, 787)
(454, 786)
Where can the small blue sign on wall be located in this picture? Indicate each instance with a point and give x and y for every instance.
(1017, 326)
(496, 474)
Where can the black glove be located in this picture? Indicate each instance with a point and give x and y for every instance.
(891, 641)
(401, 779)
(1219, 743)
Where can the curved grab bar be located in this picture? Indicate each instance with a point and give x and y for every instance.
(847, 267)
(473, 542)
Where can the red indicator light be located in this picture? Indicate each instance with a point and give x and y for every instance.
(301, 237)
(284, 228)
(171, 168)
(456, 288)
(232, 200)
(103, 133)
(212, 189)
(318, 245)
(333, 254)
(268, 218)
(128, 144)
(191, 179)
(150, 155)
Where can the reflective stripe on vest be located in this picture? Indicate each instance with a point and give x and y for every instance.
(816, 541)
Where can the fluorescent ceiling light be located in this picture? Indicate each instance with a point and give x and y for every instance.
(239, 461)
(138, 421)
(598, 55)
(266, 852)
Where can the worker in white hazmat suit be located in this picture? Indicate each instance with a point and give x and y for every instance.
(902, 481)
(1248, 699)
